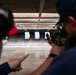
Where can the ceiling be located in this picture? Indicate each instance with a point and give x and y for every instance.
(31, 6)
(28, 14)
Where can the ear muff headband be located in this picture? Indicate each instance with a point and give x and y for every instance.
(3, 13)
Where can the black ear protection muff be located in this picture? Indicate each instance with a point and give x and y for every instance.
(6, 21)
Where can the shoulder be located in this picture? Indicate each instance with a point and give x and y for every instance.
(63, 64)
(66, 56)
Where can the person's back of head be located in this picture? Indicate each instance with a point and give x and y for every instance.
(65, 9)
(7, 27)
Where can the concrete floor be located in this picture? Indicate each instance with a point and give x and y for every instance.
(38, 51)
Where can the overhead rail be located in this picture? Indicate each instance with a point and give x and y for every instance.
(40, 12)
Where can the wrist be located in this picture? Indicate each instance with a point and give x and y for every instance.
(52, 55)
(57, 50)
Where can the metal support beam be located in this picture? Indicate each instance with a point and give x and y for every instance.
(40, 12)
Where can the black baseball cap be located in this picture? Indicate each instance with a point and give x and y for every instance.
(65, 9)
(7, 24)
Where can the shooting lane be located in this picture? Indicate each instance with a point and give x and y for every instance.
(33, 18)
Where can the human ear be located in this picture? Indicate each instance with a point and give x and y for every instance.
(71, 19)
(72, 22)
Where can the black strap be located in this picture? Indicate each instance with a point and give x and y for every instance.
(52, 55)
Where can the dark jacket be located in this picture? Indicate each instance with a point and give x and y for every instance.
(5, 69)
(64, 64)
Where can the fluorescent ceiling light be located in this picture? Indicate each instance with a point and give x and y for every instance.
(35, 15)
